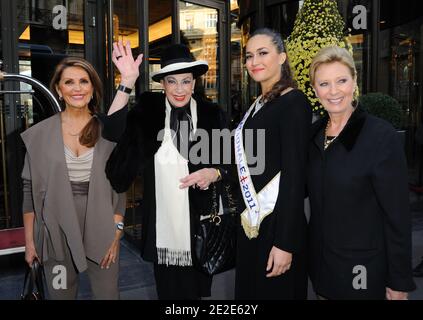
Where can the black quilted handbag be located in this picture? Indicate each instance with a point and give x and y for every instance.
(33, 288)
(215, 238)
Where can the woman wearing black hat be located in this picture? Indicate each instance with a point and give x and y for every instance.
(159, 139)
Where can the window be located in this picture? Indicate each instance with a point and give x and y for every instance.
(211, 20)
(189, 22)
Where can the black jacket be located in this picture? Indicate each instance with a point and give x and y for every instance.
(135, 152)
(359, 210)
(285, 122)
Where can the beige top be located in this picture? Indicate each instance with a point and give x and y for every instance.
(79, 168)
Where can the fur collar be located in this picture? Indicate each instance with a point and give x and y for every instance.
(349, 134)
(151, 113)
(139, 142)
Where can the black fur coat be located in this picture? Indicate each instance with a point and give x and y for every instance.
(134, 154)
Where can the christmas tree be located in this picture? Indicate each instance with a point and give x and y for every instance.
(318, 24)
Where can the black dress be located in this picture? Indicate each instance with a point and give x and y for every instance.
(286, 121)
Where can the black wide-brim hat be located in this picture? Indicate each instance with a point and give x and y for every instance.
(178, 59)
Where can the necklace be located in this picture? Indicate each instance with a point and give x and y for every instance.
(328, 139)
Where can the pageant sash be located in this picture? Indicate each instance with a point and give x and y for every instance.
(258, 206)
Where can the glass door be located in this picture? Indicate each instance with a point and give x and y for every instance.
(4, 218)
(199, 30)
(47, 32)
(125, 27)
(160, 21)
(35, 36)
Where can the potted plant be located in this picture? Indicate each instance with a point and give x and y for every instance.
(385, 107)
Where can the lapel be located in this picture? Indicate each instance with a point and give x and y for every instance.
(318, 132)
(348, 135)
(58, 158)
(62, 181)
(95, 174)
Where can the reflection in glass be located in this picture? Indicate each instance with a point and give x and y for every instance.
(199, 31)
(3, 198)
(48, 31)
(236, 65)
(125, 28)
(159, 34)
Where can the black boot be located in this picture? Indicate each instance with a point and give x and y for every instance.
(418, 270)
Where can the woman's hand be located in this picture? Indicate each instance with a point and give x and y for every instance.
(279, 262)
(124, 61)
(30, 254)
(201, 178)
(396, 295)
(111, 254)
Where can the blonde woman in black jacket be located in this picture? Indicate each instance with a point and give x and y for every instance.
(360, 227)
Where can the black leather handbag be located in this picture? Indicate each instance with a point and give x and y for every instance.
(33, 288)
(215, 238)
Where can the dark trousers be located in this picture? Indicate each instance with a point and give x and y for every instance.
(181, 283)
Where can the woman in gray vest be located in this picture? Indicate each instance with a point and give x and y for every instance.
(73, 219)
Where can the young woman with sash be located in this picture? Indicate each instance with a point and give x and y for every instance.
(271, 242)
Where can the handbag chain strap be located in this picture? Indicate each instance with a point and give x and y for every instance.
(214, 217)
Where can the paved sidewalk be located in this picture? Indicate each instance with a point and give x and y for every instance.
(137, 280)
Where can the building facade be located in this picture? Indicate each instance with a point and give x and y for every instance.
(36, 34)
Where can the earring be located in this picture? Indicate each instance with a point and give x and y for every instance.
(354, 103)
(60, 98)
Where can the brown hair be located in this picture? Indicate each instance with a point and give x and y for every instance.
(286, 80)
(91, 132)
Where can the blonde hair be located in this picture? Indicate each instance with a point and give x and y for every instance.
(330, 55)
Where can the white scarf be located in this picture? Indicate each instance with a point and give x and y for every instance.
(173, 233)
(257, 206)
